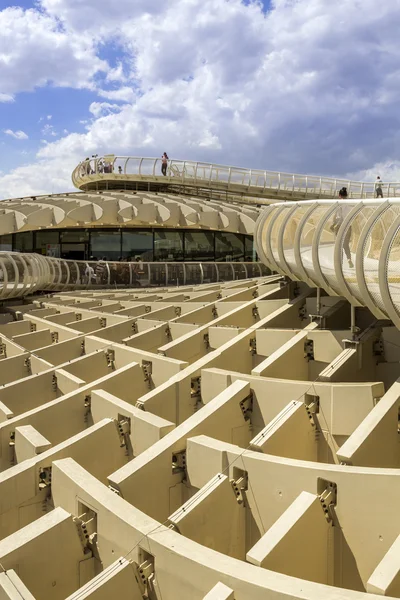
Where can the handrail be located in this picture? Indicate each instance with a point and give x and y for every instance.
(252, 182)
(24, 274)
(350, 249)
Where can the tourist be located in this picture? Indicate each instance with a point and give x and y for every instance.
(120, 170)
(378, 187)
(164, 163)
(340, 214)
(137, 271)
(89, 274)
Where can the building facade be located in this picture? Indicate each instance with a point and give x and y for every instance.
(150, 244)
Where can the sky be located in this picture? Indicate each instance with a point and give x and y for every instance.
(303, 86)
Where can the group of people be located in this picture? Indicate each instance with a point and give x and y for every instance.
(97, 271)
(106, 167)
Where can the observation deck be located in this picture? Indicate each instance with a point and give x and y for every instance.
(112, 172)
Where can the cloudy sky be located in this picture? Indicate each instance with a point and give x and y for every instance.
(306, 86)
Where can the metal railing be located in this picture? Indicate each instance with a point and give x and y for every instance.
(251, 182)
(24, 274)
(350, 249)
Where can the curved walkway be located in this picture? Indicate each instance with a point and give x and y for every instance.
(119, 171)
(24, 274)
(349, 249)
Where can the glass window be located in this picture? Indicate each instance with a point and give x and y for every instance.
(250, 253)
(47, 242)
(137, 243)
(6, 242)
(168, 245)
(74, 236)
(105, 244)
(23, 242)
(229, 246)
(199, 245)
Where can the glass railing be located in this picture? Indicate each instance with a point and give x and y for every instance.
(348, 248)
(23, 274)
(220, 177)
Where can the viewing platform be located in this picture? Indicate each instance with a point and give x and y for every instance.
(110, 172)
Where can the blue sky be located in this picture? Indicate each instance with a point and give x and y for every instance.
(308, 86)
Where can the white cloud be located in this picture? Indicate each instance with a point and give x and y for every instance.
(48, 130)
(101, 109)
(123, 94)
(18, 135)
(35, 51)
(6, 98)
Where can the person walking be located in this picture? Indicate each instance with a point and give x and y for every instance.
(340, 214)
(378, 187)
(164, 163)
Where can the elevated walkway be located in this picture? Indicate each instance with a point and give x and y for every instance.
(350, 249)
(24, 274)
(212, 180)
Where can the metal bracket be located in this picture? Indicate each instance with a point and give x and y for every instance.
(214, 312)
(378, 348)
(134, 328)
(88, 408)
(27, 365)
(246, 406)
(352, 344)
(124, 430)
(54, 337)
(178, 311)
(54, 382)
(110, 357)
(320, 319)
(179, 462)
(87, 530)
(103, 322)
(3, 350)
(168, 333)
(83, 351)
(195, 392)
(240, 486)
(78, 316)
(309, 350)
(327, 491)
(303, 312)
(44, 477)
(147, 309)
(206, 339)
(33, 327)
(139, 405)
(255, 313)
(253, 346)
(147, 367)
(142, 574)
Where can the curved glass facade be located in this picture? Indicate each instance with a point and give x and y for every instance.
(151, 244)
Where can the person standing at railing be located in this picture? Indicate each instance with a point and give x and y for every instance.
(88, 168)
(378, 187)
(164, 163)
